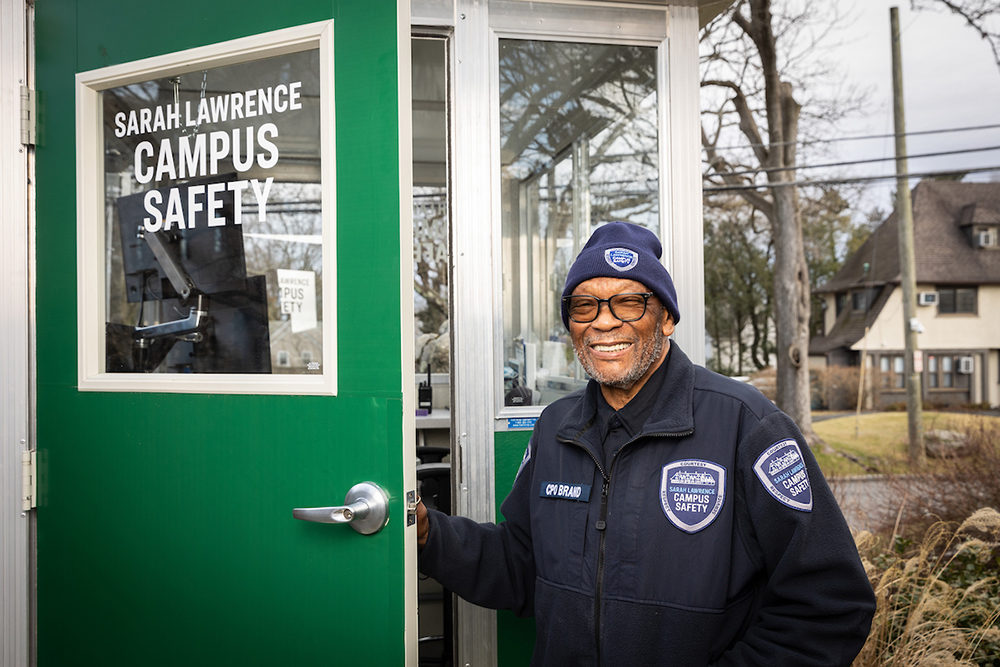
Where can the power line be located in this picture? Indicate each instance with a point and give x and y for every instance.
(857, 138)
(770, 170)
(857, 179)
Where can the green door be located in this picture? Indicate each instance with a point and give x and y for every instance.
(164, 525)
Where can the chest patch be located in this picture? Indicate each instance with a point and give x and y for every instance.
(692, 493)
(782, 471)
(580, 492)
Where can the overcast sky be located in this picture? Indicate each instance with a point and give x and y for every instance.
(950, 80)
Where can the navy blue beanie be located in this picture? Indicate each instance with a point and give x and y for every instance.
(623, 250)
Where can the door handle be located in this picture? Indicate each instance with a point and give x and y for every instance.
(366, 508)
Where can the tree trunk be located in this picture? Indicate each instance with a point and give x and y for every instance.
(791, 273)
(792, 309)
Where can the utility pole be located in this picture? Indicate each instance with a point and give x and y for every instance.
(907, 259)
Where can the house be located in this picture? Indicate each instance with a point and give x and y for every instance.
(957, 245)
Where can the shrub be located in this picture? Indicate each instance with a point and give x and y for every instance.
(938, 600)
(956, 486)
(836, 388)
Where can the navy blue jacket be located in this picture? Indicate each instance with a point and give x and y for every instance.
(709, 539)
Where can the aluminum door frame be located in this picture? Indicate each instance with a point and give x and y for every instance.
(476, 301)
(16, 335)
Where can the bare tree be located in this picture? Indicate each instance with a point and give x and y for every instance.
(764, 90)
(983, 16)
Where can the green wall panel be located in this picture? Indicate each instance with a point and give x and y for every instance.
(515, 636)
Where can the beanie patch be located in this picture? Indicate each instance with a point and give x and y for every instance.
(621, 259)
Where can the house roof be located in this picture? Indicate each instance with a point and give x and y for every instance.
(944, 255)
(850, 326)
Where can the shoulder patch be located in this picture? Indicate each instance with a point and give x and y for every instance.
(524, 460)
(782, 471)
(692, 493)
(621, 259)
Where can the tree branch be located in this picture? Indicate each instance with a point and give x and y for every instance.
(748, 125)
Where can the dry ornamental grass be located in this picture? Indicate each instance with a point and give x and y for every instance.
(938, 600)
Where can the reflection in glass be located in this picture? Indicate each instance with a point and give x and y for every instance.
(430, 207)
(213, 220)
(578, 148)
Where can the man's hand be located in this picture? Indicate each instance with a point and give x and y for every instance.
(423, 525)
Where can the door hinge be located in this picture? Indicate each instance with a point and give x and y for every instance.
(411, 507)
(28, 476)
(27, 116)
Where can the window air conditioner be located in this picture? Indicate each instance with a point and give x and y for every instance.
(965, 365)
(927, 299)
(986, 239)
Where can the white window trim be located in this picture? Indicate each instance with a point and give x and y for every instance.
(91, 315)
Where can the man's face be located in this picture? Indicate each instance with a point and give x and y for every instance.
(615, 353)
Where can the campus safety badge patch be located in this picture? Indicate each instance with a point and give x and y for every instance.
(692, 493)
(621, 259)
(782, 471)
(524, 460)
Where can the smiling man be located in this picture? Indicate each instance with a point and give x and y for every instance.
(664, 514)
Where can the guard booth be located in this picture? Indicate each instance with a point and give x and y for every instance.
(276, 262)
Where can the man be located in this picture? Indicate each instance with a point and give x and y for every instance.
(664, 514)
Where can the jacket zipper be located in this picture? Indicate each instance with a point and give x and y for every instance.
(602, 524)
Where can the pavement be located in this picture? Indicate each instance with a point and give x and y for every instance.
(867, 501)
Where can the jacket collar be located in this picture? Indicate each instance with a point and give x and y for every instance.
(673, 411)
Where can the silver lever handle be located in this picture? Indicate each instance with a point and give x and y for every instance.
(366, 508)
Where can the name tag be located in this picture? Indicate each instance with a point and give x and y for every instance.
(580, 492)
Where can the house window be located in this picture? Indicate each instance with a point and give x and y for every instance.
(942, 373)
(841, 301)
(863, 299)
(284, 359)
(957, 300)
(892, 371)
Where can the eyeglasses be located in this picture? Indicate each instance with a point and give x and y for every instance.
(627, 307)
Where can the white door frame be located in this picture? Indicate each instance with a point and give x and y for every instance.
(16, 334)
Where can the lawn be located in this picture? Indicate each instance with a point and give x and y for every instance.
(879, 440)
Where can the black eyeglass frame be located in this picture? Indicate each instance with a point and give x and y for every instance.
(568, 300)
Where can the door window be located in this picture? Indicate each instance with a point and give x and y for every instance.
(578, 148)
(214, 219)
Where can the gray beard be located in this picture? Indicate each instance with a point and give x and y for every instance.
(649, 353)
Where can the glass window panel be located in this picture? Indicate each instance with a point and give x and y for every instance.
(965, 300)
(430, 206)
(213, 220)
(578, 148)
(884, 364)
(898, 372)
(858, 300)
(841, 302)
(898, 366)
(946, 300)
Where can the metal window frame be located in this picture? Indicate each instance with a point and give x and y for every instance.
(91, 375)
(475, 281)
